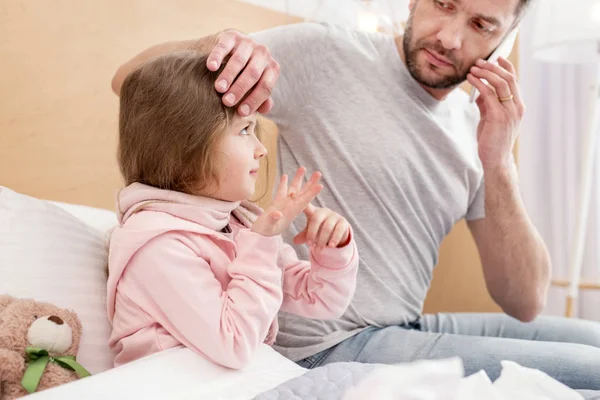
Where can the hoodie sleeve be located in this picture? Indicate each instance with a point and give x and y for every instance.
(180, 290)
(323, 287)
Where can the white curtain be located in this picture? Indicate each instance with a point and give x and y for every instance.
(550, 150)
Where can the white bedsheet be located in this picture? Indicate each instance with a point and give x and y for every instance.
(179, 373)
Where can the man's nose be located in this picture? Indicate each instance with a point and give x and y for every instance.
(451, 35)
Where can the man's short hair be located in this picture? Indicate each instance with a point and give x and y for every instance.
(523, 4)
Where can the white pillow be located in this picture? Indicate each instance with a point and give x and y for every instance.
(97, 218)
(50, 255)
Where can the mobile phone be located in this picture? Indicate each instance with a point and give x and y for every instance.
(503, 50)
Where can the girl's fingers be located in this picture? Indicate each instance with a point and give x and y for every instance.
(296, 184)
(282, 191)
(314, 180)
(300, 238)
(338, 233)
(326, 230)
(310, 210)
(311, 189)
(312, 228)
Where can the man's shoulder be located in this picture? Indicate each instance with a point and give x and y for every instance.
(320, 36)
(298, 33)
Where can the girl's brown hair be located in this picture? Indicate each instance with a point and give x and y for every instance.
(170, 120)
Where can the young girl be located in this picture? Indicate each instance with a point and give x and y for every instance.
(193, 262)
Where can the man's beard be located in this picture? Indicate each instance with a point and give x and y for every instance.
(442, 82)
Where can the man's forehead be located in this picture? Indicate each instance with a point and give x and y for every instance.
(501, 10)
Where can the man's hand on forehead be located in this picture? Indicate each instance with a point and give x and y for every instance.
(249, 75)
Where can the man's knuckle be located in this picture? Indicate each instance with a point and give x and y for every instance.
(254, 73)
(221, 45)
(237, 88)
(238, 59)
(252, 102)
(267, 88)
(260, 48)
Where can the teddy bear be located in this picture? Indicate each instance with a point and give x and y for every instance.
(38, 345)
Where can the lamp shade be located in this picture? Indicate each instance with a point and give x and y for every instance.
(567, 31)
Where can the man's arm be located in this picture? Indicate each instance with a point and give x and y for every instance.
(249, 69)
(516, 264)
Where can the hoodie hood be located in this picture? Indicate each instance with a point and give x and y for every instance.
(211, 213)
(192, 213)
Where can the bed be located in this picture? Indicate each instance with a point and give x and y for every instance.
(56, 252)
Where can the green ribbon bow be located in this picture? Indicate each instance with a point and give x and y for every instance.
(37, 359)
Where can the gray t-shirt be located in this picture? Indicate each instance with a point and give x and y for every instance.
(401, 166)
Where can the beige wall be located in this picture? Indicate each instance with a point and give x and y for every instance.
(58, 115)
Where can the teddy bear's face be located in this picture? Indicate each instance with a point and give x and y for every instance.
(27, 323)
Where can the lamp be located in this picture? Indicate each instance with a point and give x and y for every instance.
(569, 32)
(371, 17)
(368, 20)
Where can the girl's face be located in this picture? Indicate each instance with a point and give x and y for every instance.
(239, 151)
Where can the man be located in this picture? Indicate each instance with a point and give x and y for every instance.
(404, 157)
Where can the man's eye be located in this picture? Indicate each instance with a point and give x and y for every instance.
(244, 131)
(442, 4)
(480, 27)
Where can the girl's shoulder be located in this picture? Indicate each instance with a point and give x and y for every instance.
(153, 224)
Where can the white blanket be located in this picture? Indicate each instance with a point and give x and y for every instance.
(444, 380)
(179, 373)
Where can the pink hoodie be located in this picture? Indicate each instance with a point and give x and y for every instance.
(176, 279)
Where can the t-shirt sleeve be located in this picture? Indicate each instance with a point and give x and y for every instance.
(477, 207)
(299, 50)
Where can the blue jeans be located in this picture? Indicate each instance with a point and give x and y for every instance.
(566, 349)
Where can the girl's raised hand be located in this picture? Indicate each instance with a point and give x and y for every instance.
(288, 203)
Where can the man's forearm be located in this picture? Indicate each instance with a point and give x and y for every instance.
(515, 259)
(203, 45)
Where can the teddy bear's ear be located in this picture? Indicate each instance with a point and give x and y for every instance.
(5, 300)
(77, 322)
(73, 320)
